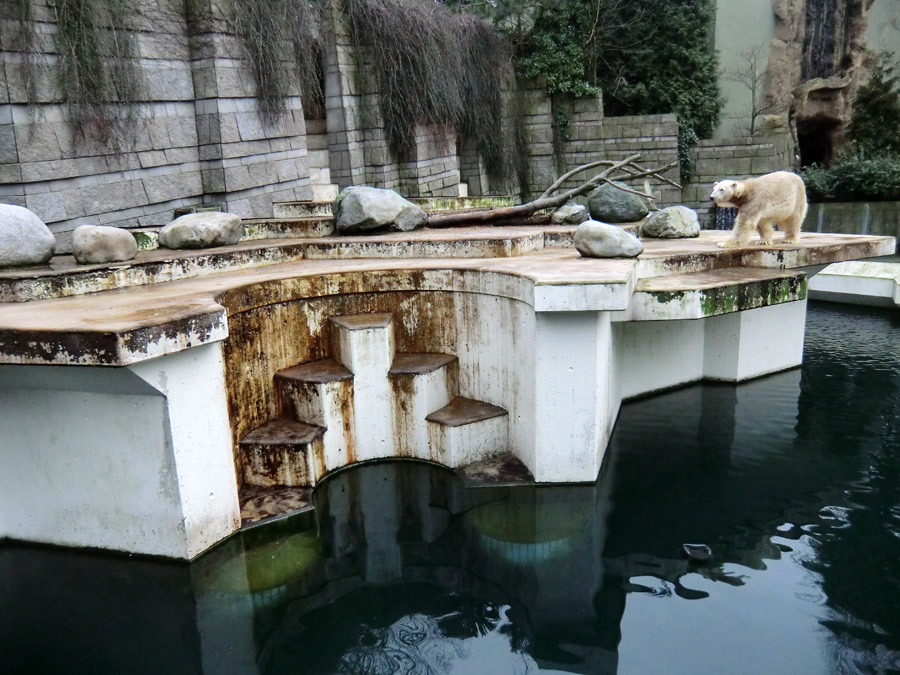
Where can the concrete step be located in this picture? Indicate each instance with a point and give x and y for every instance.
(364, 345)
(322, 393)
(466, 430)
(422, 383)
(318, 207)
(325, 193)
(320, 175)
(281, 452)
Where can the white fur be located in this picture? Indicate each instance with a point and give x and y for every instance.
(777, 198)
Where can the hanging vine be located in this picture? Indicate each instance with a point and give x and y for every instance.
(284, 46)
(434, 65)
(98, 73)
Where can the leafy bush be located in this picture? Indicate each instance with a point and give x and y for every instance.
(853, 178)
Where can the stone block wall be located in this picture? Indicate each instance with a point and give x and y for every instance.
(719, 158)
(655, 139)
(196, 136)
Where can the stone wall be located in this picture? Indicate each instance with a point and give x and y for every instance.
(655, 138)
(719, 158)
(197, 135)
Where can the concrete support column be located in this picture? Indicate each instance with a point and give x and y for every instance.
(134, 459)
(743, 345)
(572, 390)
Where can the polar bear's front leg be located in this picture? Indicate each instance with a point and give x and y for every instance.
(740, 234)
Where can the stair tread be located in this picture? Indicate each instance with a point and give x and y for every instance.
(363, 321)
(419, 363)
(283, 432)
(318, 372)
(711, 279)
(461, 411)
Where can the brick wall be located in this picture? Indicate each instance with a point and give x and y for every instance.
(655, 139)
(720, 158)
(197, 136)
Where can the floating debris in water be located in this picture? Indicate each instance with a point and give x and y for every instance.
(697, 552)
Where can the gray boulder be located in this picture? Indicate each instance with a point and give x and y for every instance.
(360, 208)
(674, 222)
(202, 230)
(24, 238)
(611, 205)
(101, 244)
(569, 214)
(600, 240)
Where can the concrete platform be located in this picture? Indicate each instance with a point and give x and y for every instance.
(876, 284)
(125, 389)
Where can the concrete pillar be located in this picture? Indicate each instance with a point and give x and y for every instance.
(572, 388)
(743, 345)
(134, 459)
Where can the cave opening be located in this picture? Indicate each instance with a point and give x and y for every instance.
(817, 139)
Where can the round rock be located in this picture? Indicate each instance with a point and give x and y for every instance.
(360, 208)
(24, 238)
(674, 222)
(601, 240)
(102, 244)
(569, 214)
(202, 230)
(611, 205)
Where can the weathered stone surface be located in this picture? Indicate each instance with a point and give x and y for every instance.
(601, 240)
(611, 205)
(361, 208)
(24, 238)
(674, 222)
(569, 214)
(202, 230)
(100, 244)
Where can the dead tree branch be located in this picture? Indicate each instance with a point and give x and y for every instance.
(627, 170)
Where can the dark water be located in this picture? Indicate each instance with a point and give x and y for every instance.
(792, 480)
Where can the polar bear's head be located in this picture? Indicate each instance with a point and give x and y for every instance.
(726, 193)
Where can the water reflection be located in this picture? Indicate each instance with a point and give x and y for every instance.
(792, 480)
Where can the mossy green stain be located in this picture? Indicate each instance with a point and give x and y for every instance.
(665, 297)
(144, 241)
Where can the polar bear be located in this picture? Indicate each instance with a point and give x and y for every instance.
(778, 197)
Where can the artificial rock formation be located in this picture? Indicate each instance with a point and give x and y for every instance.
(674, 222)
(102, 244)
(601, 240)
(202, 230)
(24, 238)
(610, 204)
(360, 209)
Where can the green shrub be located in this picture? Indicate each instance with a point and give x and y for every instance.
(853, 178)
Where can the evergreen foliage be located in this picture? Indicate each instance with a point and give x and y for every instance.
(850, 177)
(876, 112)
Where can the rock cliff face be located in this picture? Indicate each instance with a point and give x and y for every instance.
(816, 63)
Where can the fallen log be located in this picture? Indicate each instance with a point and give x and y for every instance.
(628, 168)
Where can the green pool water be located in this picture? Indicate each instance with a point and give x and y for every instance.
(792, 480)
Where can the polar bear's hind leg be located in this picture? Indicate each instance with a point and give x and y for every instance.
(765, 232)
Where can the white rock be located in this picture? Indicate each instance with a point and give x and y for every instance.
(361, 208)
(24, 238)
(202, 230)
(101, 244)
(674, 222)
(594, 239)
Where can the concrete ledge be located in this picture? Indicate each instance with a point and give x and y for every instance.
(859, 283)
